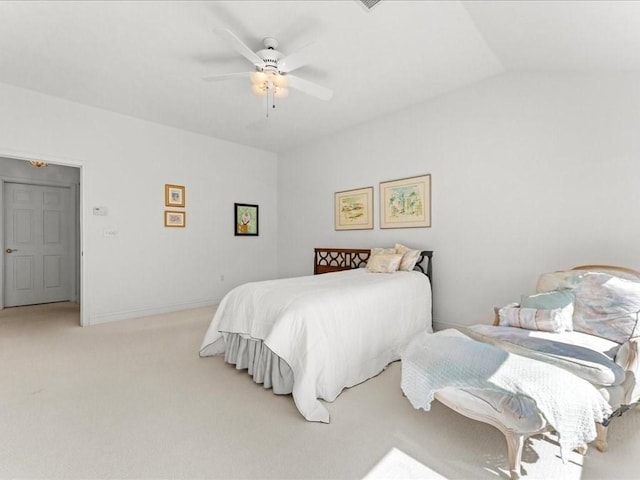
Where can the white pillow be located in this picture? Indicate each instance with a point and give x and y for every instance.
(380, 251)
(384, 263)
(409, 257)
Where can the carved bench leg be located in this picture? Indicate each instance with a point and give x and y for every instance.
(601, 439)
(582, 449)
(515, 443)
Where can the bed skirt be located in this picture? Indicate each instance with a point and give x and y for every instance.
(261, 363)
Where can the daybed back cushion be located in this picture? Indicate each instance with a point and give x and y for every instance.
(605, 304)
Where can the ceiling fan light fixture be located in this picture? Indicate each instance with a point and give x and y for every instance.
(280, 80)
(280, 92)
(271, 75)
(258, 78)
(259, 89)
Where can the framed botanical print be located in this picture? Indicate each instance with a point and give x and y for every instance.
(175, 219)
(354, 209)
(174, 195)
(406, 203)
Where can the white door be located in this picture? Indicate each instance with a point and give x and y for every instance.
(37, 256)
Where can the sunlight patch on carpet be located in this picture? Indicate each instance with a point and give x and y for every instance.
(398, 465)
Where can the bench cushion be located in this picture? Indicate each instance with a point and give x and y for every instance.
(589, 357)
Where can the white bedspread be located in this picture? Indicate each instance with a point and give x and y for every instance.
(334, 330)
(450, 359)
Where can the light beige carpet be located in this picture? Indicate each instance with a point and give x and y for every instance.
(132, 399)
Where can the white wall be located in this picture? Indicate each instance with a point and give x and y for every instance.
(530, 173)
(125, 163)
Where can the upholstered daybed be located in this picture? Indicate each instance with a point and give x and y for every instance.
(564, 359)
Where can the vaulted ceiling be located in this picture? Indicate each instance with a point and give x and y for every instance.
(146, 59)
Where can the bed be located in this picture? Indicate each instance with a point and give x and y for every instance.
(315, 335)
(564, 359)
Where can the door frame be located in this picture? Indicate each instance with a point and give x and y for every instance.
(77, 262)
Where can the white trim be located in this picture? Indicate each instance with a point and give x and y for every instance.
(75, 212)
(35, 181)
(28, 156)
(2, 247)
(149, 311)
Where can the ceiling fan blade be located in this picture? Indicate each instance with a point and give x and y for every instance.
(310, 88)
(296, 59)
(226, 76)
(239, 46)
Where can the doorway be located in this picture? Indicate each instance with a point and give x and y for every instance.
(40, 233)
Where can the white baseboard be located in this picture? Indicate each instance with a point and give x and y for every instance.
(147, 312)
(437, 326)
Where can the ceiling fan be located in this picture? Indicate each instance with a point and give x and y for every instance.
(271, 75)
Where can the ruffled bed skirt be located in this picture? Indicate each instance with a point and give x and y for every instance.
(261, 363)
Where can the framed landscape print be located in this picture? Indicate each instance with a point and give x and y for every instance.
(245, 219)
(174, 195)
(354, 209)
(175, 219)
(406, 203)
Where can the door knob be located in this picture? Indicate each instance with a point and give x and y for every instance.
(9, 250)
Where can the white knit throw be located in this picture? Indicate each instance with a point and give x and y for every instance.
(571, 405)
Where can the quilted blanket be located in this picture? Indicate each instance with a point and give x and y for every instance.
(334, 330)
(432, 362)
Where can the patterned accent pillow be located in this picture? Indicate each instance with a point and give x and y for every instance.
(409, 257)
(544, 320)
(384, 263)
(551, 301)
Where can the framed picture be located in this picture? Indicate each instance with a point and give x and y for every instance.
(175, 219)
(174, 195)
(354, 209)
(406, 203)
(245, 219)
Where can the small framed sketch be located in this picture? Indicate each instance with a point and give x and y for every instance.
(245, 219)
(175, 219)
(354, 209)
(174, 195)
(406, 203)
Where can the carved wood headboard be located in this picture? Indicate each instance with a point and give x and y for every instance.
(338, 259)
(608, 268)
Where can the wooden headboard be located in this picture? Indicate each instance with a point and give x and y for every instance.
(608, 268)
(338, 259)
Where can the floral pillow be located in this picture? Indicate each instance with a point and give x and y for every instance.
(546, 320)
(557, 299)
